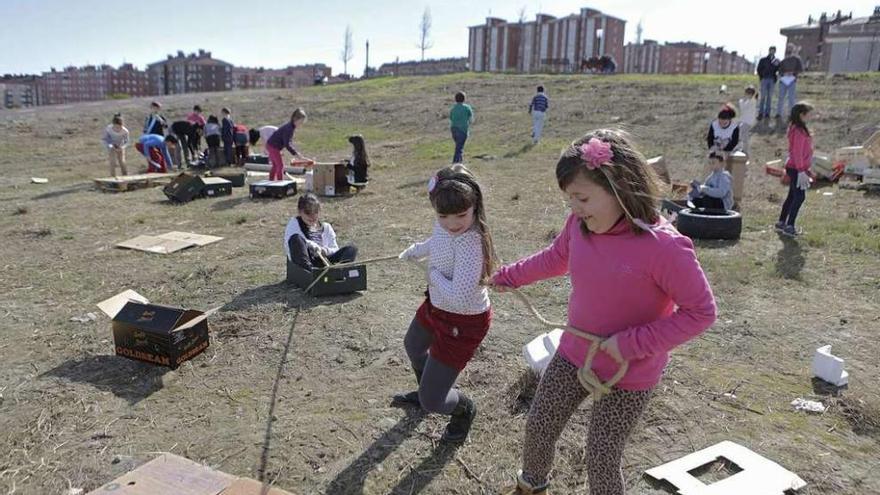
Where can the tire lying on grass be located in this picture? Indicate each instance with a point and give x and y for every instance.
(709, 224)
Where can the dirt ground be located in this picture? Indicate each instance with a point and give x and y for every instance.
(295, 390)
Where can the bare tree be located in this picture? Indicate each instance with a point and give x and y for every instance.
(425, 42)
(347, 52)
(522, 14)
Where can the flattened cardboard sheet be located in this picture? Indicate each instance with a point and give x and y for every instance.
(169, 474)
(197, 239)
(154, 244)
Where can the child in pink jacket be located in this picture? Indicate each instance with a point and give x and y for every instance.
(635, 282)
(797, 167)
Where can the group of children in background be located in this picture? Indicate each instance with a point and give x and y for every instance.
(182, 144)
(726, 136)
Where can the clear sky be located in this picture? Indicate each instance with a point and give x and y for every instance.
(39, 34)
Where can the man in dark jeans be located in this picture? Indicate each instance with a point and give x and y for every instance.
(767, 68)
(460, 118)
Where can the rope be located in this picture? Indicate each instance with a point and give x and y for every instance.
(586, 376)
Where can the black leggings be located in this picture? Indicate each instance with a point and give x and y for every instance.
(299, 254)
(794, 200)
(435, 390)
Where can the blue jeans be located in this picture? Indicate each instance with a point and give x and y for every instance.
(794, 200)
(459, 136)
(791, 92)
(766, 102)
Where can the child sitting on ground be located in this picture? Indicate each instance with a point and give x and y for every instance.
(359, 163)
(306, 238)
(717, 191)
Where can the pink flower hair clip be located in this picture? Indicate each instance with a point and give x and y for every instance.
(596, 153)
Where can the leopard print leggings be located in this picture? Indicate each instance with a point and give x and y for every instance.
(613, 418)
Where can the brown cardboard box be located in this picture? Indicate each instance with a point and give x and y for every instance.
(155, 334)
(168, 474)
(247, 486)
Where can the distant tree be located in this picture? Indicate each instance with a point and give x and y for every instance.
(522, 14)
(347, 52)
(425, 42)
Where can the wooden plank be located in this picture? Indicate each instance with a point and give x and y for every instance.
(168, 474)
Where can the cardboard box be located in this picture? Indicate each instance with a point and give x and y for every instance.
(872, 149)
(216, 186)
(153, 333)
(658, 163)
(169, 474)
(261, 159)
(335, 281)
(273, 189)
(853, 159)
(324, 180)
(236, 176)
(168, 242)
(184, 187)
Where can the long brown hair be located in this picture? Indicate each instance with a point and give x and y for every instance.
(456, 189)
(628, 177)
(796, 118)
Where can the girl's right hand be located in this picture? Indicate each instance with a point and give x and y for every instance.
(496, 283)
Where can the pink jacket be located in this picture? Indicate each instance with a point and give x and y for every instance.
(800, 149)
(649, 291)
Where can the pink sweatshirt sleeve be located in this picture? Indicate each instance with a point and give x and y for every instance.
(800, 150)
(552, 261)
(679, 275)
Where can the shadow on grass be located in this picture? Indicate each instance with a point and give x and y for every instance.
(523, 150)
(283, 292)
(63, 192)
(790, 259)
(351, 480)
(228, 204)
(131, 380)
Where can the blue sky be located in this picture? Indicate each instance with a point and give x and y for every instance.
(39, 34)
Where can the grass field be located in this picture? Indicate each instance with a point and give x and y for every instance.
(296, 391)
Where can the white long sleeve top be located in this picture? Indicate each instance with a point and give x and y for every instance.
(455, 267)
(328, 237)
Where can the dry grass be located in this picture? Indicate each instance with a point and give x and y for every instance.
(307, 407)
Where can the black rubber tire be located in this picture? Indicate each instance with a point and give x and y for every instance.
(709, 224)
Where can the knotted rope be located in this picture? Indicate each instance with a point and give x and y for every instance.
(586, 376)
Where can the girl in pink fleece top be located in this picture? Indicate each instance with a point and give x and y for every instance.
(797, 167)
(635, 280)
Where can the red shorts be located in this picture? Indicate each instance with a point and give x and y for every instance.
(456, 337)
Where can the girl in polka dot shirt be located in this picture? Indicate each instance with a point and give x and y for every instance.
(455, 317)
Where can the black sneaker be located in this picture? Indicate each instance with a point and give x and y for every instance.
(460, 424)
(409, 398)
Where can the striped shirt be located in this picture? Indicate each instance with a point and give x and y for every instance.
(540, 103)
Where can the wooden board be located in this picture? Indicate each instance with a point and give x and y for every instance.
(169, 474)
(154, 244)
(197, 239)
(130, 182)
